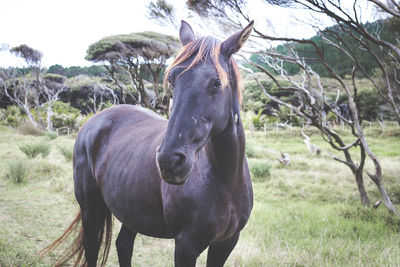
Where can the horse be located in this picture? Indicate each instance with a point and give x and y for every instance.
(185, 178)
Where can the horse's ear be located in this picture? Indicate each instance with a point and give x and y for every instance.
(186, 34)
(233, 44)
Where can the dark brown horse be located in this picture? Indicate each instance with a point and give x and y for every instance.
(186, 178)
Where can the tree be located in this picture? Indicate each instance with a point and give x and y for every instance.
(313, 103)
(129, 57)
(31, 91)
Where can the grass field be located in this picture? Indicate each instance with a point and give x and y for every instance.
(306, 213)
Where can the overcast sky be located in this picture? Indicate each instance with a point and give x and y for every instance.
(63, 29)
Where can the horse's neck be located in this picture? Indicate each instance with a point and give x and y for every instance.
(226, 151)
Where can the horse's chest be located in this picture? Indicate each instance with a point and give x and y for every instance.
(231, 214)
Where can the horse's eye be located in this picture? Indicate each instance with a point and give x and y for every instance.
(170, 80)
(171, 77)
(215, 85)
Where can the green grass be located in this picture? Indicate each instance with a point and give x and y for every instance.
(67, 152)
(32, 150)
(306, 213)
(17, 171)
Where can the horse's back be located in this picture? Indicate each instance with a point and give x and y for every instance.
(119, 146)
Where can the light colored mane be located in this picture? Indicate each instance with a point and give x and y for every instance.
(206, 48)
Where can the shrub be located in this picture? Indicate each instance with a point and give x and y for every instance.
(253, 96)
(27, 128)
(67, 152)
(259, 120)
(44, 169)
(51, 135)
(12, 116)
(64, 115)
(33, 150)
(250, 151)
(18, 171)
(260, 170)
(368, 102)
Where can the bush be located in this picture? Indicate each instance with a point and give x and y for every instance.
(64, 115)
(33, 150)
(67, 152)
(251, 150)
(44, 169)
(27, 128)
(12, 116)
(287, 115)
(18, 171)
(51, 135)
(368, 102)
(260, 170)
(253, 96)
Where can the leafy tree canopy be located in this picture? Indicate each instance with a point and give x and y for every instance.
(30, 55)
(147, 45)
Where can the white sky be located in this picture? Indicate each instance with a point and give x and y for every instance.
(63, 29)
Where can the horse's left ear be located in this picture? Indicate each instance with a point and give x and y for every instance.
(233, 44)
(186, 34)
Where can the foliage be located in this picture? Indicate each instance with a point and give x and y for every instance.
(30, 55)
(67, 152)
(260, 169)
(11, 116)
(253, 97)
(149, 45)
(51, 135)
(334, 58)
(287, 116)
(90, 94)
(160, 9)
(130, 58)
(259, 120)
(54, 78)
(32, 150)
(45, 169)
(250, 150)
(64, 115)
(368, 104)
(93, 71)
(18, 171)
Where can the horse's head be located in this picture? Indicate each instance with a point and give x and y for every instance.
(206, 98)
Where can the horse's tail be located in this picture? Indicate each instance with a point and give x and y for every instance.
(77, 247)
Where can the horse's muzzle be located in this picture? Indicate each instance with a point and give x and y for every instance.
(174, 167)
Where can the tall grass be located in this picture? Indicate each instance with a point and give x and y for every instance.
(32, 150)
(306, 213)
(27, 128)
(18, 171)
(67, 152)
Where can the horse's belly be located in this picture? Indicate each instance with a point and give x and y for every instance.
(139, 208)
(133, 194)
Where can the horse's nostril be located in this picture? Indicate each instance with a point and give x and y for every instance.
(179, 159)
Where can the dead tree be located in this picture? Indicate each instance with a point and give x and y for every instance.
(31, 90)
(50, 88)
(311, 98)
(100, 92)
(309, 89)
(20, 91)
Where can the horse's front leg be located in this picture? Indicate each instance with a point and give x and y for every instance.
(124, 243)
(187, 249)
(218, 253)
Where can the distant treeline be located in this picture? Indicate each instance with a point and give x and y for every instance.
(333, 56)
(94, 70)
